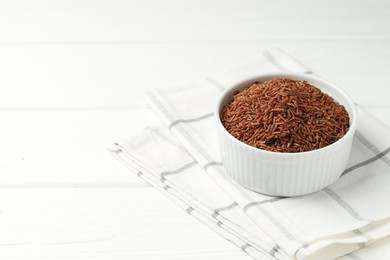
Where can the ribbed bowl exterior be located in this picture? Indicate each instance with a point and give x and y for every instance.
(284, 174)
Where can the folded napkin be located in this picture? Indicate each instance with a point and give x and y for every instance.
(180, 158)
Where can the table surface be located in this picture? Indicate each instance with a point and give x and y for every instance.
(72, 75)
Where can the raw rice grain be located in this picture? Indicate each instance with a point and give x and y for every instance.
(285, 115)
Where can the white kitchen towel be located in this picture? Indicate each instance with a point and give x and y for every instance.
(347, 216)
(161, 161)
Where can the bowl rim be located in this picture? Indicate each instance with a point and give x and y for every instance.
(293, 75)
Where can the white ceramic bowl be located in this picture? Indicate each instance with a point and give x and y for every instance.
(285, 174)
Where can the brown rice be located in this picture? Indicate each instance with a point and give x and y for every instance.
(285, 115)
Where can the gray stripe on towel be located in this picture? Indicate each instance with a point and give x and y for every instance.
(244, 247)
(368, 161)
(209, 164)
(274, 250)
(371, 147)
(218, 210)
(257, 203)
(345, 205)
(182, 168)
(365, 236)
(189, 210)
(196, 119)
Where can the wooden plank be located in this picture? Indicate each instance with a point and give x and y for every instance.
(110, 75)
(175, 20)
(103, 223)
(65, 148)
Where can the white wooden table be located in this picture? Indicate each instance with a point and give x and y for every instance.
(72, 74)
